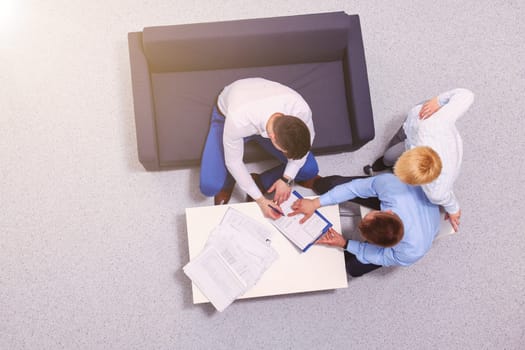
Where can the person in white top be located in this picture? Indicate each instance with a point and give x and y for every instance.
(276, 117)
(428, 149)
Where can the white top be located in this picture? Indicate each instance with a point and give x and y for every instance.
(439, 132)
(247, 105)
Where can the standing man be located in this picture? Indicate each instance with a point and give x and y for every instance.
(428, 151)
(399, 232)
(276, 117)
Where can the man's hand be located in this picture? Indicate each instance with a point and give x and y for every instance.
(266, 206)
(282, 191)
(430, 107)
(306, 207)
(454, 219)
(333, 238)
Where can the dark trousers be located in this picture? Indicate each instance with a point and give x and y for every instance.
(354, 267)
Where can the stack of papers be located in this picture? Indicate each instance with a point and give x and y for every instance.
(235, 256)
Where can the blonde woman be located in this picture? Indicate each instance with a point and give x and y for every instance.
(428, 149)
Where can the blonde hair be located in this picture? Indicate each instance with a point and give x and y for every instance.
(418, 166)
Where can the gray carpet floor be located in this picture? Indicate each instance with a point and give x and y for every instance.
(92, 245)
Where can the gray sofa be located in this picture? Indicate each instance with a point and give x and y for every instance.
(178, 71)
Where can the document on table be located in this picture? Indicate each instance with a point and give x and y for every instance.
(235, 256)
(302, 235)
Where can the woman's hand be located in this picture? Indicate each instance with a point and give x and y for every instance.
(430, 107)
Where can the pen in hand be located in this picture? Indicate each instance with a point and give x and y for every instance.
(276, 210)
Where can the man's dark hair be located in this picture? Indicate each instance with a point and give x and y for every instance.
(384, 229)
(292, 135)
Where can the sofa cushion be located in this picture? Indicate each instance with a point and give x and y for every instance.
(184, 100)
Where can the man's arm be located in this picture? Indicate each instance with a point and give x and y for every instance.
(293, 166)
(371, 254)
(363, 188)
(233, 153)
(365, 252)
(333, 238)
(281, 188)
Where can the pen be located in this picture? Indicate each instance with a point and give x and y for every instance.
(276, 210)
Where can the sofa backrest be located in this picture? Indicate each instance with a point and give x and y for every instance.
(246, 43)
(178, 71)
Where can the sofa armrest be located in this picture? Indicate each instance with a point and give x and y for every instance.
(143, 104)
(357, 88)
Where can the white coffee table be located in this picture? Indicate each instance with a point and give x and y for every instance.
(320, 268)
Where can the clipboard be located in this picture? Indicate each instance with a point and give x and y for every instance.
(303, 236)
(323, 231)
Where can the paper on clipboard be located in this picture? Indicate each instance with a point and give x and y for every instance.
(302, 235)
